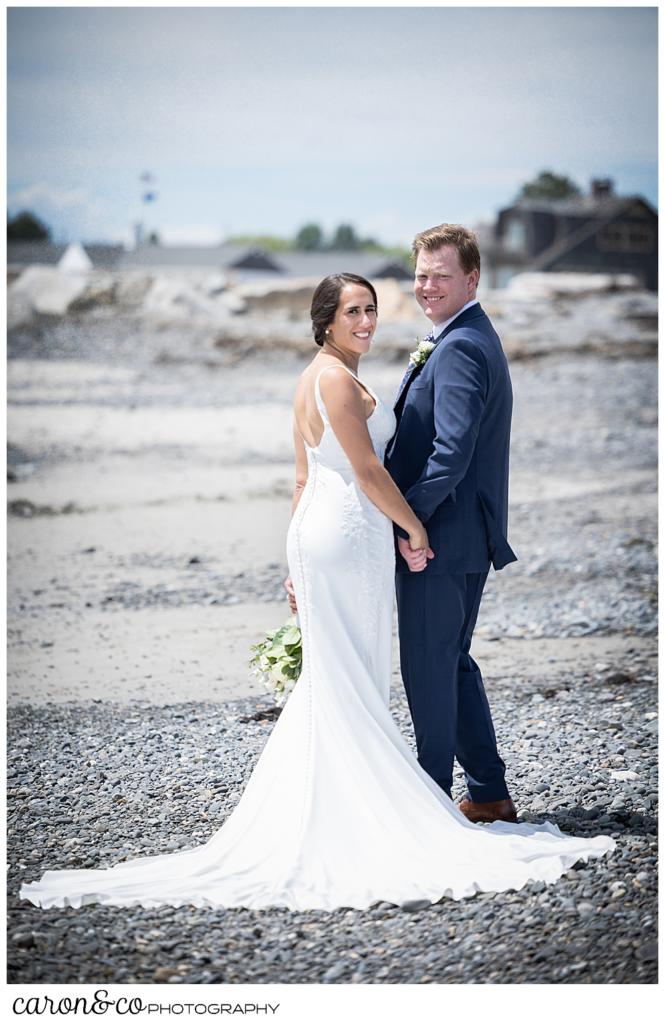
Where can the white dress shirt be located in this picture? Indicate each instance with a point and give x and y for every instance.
(438, 329)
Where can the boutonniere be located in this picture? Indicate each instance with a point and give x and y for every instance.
(420, 355)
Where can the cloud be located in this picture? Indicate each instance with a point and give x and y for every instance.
(254, 136)
(71, 213)
(56, 198)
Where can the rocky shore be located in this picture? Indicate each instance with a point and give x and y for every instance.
(149, 489)
(226, 320)
(92, 784)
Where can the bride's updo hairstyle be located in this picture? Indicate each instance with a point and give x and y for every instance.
(326, 300)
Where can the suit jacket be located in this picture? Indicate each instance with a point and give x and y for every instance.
(449, 454)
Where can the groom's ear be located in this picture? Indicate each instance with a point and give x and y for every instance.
(474, 277)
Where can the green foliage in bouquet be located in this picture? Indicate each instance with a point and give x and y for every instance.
(277, 660)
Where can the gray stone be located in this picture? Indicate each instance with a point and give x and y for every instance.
(648, 953)
(333, 973)
(413, 905)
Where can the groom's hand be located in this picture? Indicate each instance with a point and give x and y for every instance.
(416, 560)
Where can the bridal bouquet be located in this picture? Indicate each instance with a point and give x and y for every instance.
(277, 660)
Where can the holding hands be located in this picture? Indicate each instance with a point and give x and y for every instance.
(416, 551)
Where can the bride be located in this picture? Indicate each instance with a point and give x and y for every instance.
(337, 812)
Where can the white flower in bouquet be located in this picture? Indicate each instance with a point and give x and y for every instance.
(277, 660)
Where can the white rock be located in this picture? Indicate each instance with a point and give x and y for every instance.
(291, 296)
(75, 260)
(46, 290)
(624, 776)
(233, 302)
(175, 297)
(548, 285)
(214, 284)
(396, 302)
(132, 287)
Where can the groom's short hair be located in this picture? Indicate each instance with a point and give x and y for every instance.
(459, 237)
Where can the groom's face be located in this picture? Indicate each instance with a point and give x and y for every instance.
(441, 286)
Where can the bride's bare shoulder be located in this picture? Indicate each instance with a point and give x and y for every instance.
(303, 394)
(305, 381)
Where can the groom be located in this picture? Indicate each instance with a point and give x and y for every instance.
(449, 457)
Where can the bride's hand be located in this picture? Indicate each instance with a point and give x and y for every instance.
(418, 540)
(288, 585)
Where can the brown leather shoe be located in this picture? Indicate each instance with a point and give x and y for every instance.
(497, 810)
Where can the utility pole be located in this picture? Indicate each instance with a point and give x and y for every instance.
(148, 195)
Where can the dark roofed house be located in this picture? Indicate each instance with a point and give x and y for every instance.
(226, 256)
(597, 233)
(259, 262)
(372, 265)
(254, 262)
(256, 259)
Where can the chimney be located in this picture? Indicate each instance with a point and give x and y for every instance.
(602, 188)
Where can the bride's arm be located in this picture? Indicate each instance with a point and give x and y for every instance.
(301, 480)
(346, 411)
(301, 468)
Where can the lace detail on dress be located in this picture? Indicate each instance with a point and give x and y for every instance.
(354, 525)
(353, 520)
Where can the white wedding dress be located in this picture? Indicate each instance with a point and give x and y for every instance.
(338, 812)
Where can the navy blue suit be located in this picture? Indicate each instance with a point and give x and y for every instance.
(449, 457)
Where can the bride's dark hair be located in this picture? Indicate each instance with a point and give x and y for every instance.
(326, 300)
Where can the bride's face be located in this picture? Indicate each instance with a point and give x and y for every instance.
(355, 320)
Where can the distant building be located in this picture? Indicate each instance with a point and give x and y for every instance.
(244, 261)
(226, 257)
(374, 266)
(24, 254)
(248, 261)
(599, 233)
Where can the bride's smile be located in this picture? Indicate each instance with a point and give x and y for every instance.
(354, 324)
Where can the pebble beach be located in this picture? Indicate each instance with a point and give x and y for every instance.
(150, 478)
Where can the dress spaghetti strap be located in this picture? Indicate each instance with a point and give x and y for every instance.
(317, 391)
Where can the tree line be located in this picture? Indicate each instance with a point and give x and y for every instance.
(26, 226)
(312, 238)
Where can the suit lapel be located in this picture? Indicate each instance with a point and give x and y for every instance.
(406, 380)
(411, 374)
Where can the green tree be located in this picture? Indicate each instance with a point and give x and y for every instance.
(271, 243)
(25, 227)
(309, 238)
(549, 185)
(345, 238)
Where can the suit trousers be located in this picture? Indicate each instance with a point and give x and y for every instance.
(444, 687)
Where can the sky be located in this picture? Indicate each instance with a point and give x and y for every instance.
(258, 120)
